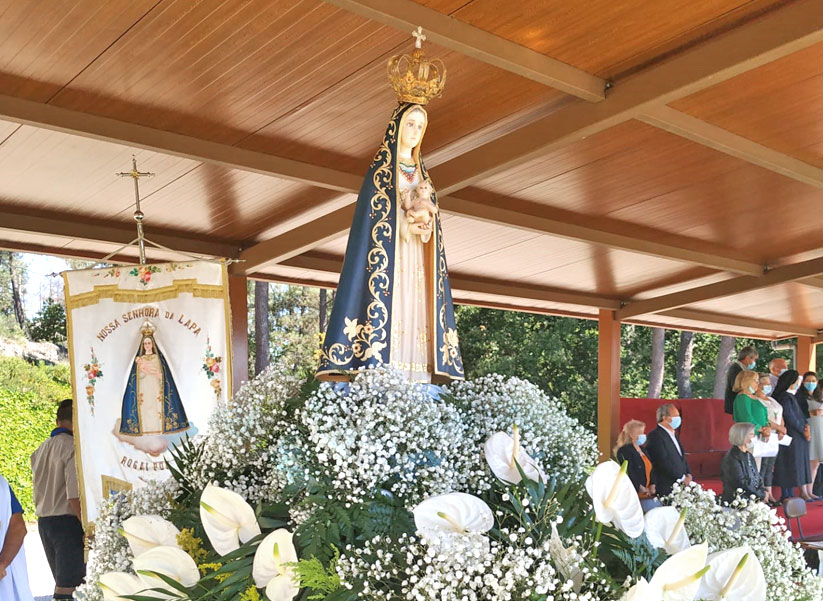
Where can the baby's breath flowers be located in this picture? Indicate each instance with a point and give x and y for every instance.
(754, 525)
(558, 443)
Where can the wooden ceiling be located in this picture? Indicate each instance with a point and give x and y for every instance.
(661, 160)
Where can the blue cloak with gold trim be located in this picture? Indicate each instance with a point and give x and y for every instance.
(360, 327)
(174, 416)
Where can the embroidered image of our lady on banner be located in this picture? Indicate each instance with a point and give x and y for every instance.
(152, 413)
(150, 353)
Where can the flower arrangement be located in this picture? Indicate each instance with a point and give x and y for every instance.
(757, 526)
(380, 490)
(93, 373)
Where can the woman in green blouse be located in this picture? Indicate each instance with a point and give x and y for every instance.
(747, 407)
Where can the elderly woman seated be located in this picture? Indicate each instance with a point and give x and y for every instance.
(738, 470)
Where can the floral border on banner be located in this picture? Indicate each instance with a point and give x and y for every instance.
(94, 372)
(211, 367)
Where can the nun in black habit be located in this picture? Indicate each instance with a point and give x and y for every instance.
(792, 466)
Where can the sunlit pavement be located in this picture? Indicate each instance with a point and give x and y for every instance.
(40, 578)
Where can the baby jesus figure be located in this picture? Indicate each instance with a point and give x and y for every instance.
(420, 211)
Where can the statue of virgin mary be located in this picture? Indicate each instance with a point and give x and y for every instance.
(393, 303)
(151, 401)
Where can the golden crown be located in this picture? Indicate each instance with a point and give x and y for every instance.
(414, 78)
(147, 329)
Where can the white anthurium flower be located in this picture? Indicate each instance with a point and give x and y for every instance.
(504, 453)
(270, 569)
(734, 575)
(227, 519)
(665, 529)
(171, 562)
(144, 532)
(641, 591)
(678, 578)
(614, 498)
(565, 560)
(451, 513)
(115, 585)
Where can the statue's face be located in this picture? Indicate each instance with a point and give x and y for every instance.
(148, 347)
(412, 129)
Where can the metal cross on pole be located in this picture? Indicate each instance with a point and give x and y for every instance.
(138, 214)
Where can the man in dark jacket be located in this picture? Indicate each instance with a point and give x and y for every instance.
(664, 450)
(746, 359)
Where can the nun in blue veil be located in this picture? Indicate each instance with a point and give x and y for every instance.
(393, 303)
(151, 401)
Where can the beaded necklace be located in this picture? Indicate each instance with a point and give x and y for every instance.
(407, 170)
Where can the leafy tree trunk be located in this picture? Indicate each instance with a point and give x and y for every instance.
(724, 357)
(683, 366)
(323, 310)
(261, 325)
(16, 275)
(656, 371)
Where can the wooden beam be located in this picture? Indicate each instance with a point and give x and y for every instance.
(55, 118)
(806, 356)
(782, 32)
(296, 241)
(531, 217)
(608, 382)
(478, 44)
(68, 226)
(778, 275)
(64, 252)
(239, 306)
(691, 128)
(465, 283)
(726, 319)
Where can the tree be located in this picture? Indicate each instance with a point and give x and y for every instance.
(261, 326)
(683, 367)
(49, 324)
(14, 278)
(724, 357)
(657, 363)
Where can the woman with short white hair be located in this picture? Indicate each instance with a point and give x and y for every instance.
(738, 469)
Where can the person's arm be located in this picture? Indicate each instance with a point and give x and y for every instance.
(630, 472)
(72, 490)
(12, 543)
(792, 418)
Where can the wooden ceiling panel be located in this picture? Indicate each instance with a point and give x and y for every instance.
(604, 37)
(47, 170)
(232, 204)
(638, 174)
(777, 105)
(44, 45)
(227, 68)
(343, 127)
(792, 301)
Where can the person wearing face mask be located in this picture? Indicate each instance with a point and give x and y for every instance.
(792, 466)
(811, 393)
(746, 360)
(777, 367)
(747, 407)
(775, 412)
(629, 449)
(738, 471)
(667, 455)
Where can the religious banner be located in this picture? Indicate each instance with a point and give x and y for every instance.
(150, 357)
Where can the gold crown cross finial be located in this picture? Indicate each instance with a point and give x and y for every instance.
(415, 78)
(419, 37)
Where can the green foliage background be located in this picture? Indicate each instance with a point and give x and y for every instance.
(559, 354)
(28, 400)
